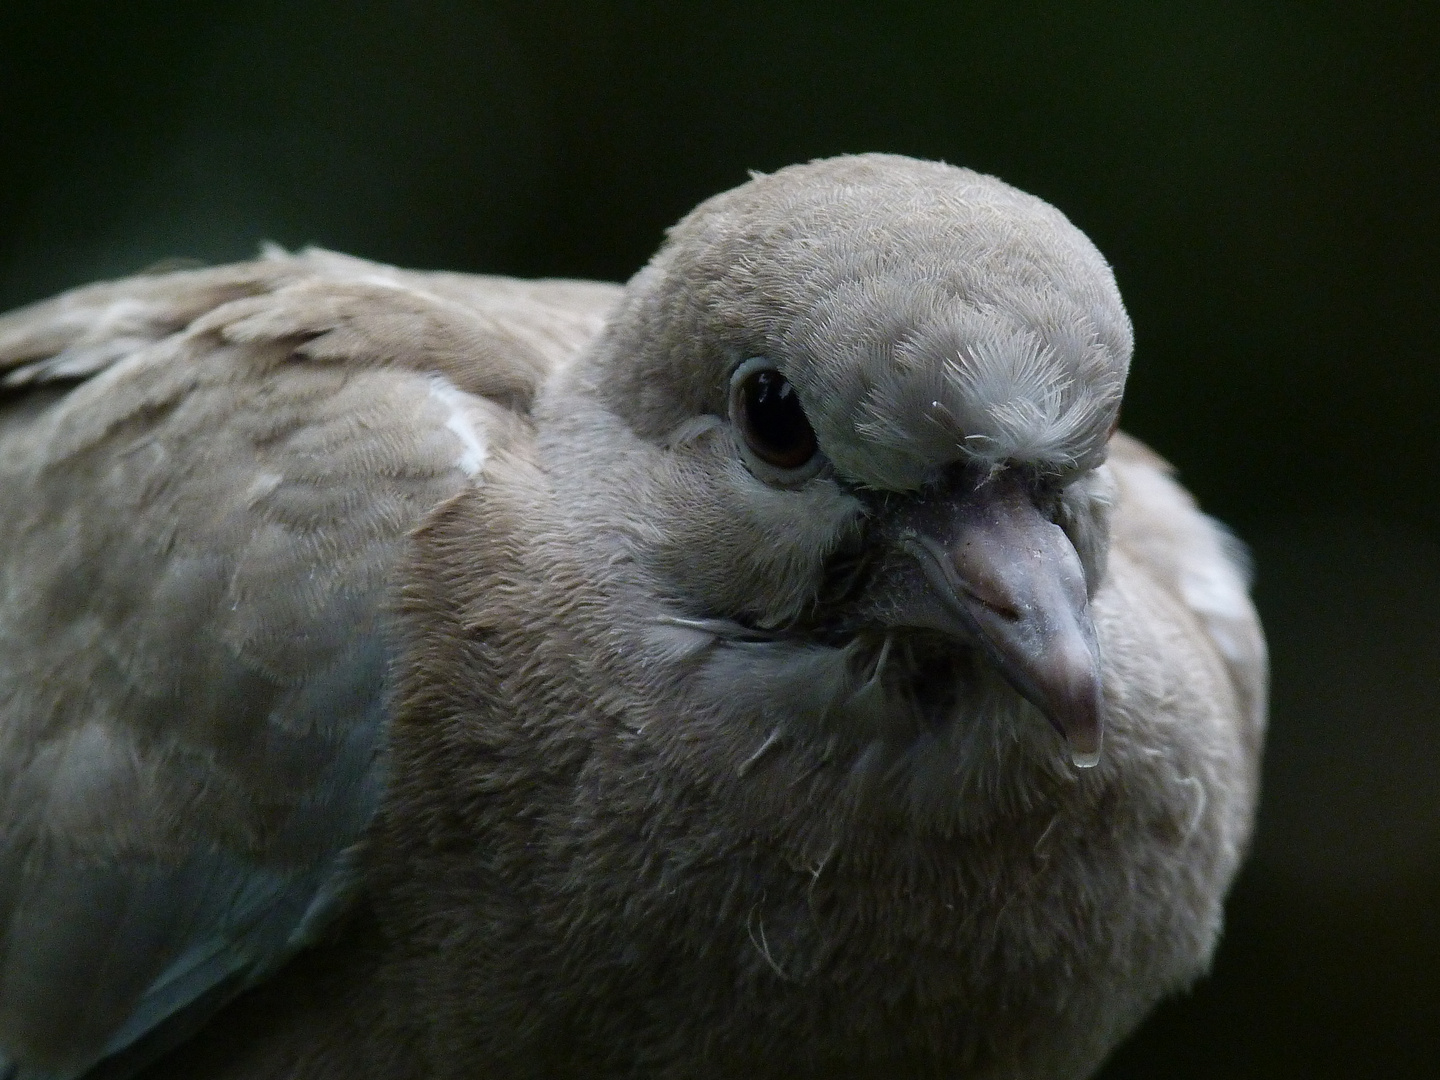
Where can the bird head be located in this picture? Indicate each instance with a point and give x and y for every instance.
(841, 449)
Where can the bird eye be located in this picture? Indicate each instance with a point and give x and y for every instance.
(766, 409)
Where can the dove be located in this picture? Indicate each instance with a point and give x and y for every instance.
(778, 666)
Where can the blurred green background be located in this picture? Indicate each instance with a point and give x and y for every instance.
(1263, 176)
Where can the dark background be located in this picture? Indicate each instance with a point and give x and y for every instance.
(1263, 176)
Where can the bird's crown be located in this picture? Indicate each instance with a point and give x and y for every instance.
(924, 314)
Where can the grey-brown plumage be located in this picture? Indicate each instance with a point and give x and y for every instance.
(424, 675)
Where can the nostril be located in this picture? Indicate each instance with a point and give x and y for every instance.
(1008, 612)
(977, 573)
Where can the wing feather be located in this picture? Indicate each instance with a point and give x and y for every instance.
(1199, 562)
(207, 478)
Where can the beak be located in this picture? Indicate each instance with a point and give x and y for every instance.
(997, 572)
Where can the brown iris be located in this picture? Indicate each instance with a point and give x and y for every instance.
(772, 420)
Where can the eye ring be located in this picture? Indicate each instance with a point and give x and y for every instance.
(779, 444)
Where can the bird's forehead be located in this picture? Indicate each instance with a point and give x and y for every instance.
(925, 313)
(901, 374)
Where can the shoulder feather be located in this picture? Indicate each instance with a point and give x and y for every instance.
(208, 478)
(1197, 560)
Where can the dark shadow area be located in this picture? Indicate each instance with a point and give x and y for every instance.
(1330, 966)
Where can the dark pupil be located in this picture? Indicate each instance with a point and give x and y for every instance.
(775, 423)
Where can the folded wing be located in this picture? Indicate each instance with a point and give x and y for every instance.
(205, 480)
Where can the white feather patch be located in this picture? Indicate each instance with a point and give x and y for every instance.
(458, 422)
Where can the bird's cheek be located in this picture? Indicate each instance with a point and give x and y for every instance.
(736, 547)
